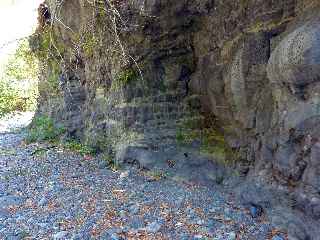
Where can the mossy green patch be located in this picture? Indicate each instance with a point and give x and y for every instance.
(268, 26)
(213, 143)
(52, 83)
(156, 174)
(90, 44)
(44, 129)
(49, 50)
(212, 139)
(124, 78)
(101, 13)
(110, 160)
(46, 45)
(77, 146)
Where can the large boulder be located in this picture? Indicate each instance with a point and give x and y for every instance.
(295, 63)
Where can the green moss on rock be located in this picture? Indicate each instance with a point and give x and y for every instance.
(212, 140)
(90, 44)
(43, 128)
(49, 50)
(125, 78)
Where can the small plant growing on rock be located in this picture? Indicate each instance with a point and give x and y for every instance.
(44, 129)
(156, 175)
(89, 45)
(110, 160)
(80, 148)
(124, 78)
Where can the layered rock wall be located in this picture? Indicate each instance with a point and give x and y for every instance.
(130, 74)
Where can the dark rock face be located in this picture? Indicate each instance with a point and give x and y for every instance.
(254, 65)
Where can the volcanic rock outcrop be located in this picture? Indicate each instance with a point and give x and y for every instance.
(182, 82)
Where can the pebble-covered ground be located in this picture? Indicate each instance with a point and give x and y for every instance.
(49, 193)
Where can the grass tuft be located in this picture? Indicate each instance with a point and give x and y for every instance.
(44, 129)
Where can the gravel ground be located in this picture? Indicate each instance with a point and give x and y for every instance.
(49, 193)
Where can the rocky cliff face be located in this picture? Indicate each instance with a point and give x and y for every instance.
(235, 81)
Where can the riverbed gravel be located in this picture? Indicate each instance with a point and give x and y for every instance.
(47, 192)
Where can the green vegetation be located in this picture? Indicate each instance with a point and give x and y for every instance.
(40, 152)
(51, 85)
(268, 25)
(80, 148)
(90, 43)
(18, 81)
(214, 144)
(188, 131)
(101, 13)
(86, 39)
(110, 159)
(22, 64)
(124, 78)
(157, 174)
(265, 26)
(44, 129)
(212, 140)
(10, 99)
(45, 46)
